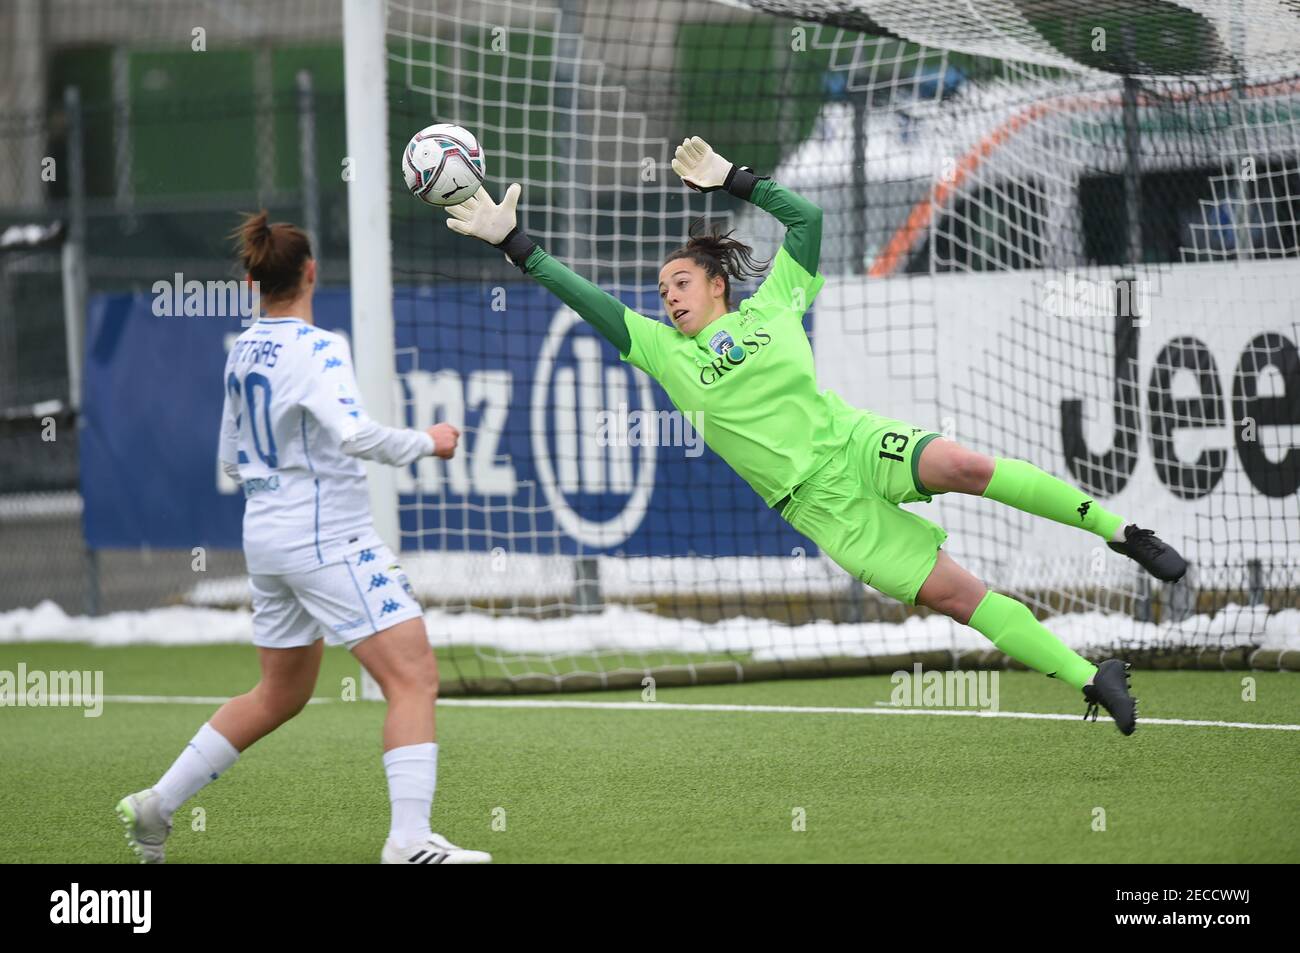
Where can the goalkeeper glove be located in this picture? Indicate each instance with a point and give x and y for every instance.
(479, 217)
(705, 171)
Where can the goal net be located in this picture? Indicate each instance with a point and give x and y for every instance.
(1060, 232)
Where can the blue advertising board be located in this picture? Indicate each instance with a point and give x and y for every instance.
(565, 448)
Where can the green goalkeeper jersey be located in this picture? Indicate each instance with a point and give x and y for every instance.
(747, 380)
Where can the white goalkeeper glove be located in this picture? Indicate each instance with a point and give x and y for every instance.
(480, 217)
(704, 170)
(699, 166)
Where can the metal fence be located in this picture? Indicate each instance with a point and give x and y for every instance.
(126, 180)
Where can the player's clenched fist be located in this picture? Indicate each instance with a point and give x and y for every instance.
(445, 438)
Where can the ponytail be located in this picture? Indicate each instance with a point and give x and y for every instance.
(273, 255)
(719, 255)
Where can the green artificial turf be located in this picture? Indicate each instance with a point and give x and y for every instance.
(663, 785)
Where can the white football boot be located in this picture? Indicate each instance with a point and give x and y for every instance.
(436, 850)
(146, 829)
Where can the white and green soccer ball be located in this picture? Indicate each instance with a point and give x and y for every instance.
(443, 164)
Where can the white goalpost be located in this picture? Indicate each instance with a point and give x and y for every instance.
(365, 168)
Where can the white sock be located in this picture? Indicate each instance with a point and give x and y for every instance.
(204, 759)
(412, 776)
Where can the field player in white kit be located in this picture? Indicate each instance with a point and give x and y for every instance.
(293, 432)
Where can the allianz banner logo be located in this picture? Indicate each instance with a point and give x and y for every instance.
(586, 446)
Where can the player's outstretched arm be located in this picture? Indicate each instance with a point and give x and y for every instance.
(481, 218)
(705, 171)
(334, 400)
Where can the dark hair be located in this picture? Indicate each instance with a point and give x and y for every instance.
(274, 255)
(719, 254)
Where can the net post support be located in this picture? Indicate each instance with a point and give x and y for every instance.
(1181, 597)
(74, 249)
(92, 581)
(1142, 601)
(587, 598)
(307, 164)
(851, 603)
(1255, 581)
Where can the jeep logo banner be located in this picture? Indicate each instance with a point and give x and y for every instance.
(1143, 388)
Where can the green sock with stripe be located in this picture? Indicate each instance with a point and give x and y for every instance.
(1010, 626)
(1026, 487)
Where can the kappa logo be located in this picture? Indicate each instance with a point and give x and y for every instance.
(1083, 510)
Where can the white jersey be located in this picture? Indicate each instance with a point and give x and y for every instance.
(293, 425)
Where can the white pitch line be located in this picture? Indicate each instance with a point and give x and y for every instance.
(576, 704)
(828, 710)
(73, 701)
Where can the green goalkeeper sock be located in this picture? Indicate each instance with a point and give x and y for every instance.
(1024, 486)
(1010, 626)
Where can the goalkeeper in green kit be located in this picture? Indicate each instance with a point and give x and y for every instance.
(837, 474)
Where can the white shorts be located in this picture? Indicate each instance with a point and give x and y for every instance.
(344, 602)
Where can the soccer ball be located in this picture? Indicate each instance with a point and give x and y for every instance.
(443, 164)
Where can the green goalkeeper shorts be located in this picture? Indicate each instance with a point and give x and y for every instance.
(849, 508)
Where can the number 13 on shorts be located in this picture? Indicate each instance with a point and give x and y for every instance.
(892, 446)
(890, 451)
